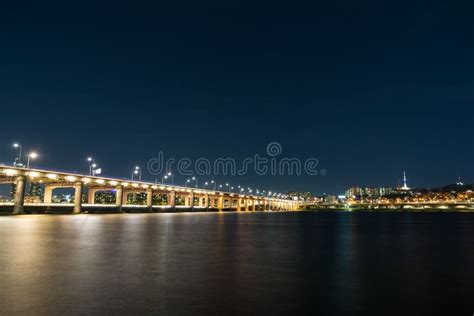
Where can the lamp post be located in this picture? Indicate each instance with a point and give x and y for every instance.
(192, 179)
(137, 171)
(170, 175)
(92, 165)
(31, 156)
(18, 160)
(92, 169)
(166, 176)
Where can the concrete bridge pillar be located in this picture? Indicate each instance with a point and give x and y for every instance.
(48, 194)
(91, 196)
(119, 198)
(191, 200)
(77, 198)
(149, 199)
(239, 204)
(206, 197)
(20, 184)
(252, 205)
(220, 205)
(125, 197)
(172, 199)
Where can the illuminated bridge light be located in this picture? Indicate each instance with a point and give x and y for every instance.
(113, 182)
(100, 181)
(71, 178)
(135, 185)
(52, 176)
(86, 180)
(125, 184)
(34, 174)
(10, 172)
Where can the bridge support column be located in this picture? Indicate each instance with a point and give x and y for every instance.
(220, 205)
(77, 198)
(191, 200)
(252, 205)
(125, 197)
(20, 184)
(119, 198)
(172, 199)
(149, 199)
(91, 196)
(206, 197)
(239, 204)
(48, 194)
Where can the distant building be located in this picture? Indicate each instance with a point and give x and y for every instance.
(356, 192)
(330, 199)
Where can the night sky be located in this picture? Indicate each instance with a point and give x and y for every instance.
(368, 88)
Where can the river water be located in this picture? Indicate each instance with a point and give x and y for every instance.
(288, 263)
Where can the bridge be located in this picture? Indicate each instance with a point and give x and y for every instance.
(86, 187)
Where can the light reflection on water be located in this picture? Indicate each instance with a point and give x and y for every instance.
(236, 263)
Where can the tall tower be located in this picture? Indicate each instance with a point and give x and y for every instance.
(405, 186)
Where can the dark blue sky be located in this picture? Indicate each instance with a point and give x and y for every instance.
(368, 88)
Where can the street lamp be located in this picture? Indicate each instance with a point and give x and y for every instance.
(137, 171)
(31, 156)
(192, 179)
(189, 180)
(166, 176)
(18, 160)
(92, 165)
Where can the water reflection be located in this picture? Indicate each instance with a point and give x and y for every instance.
(239, 263)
